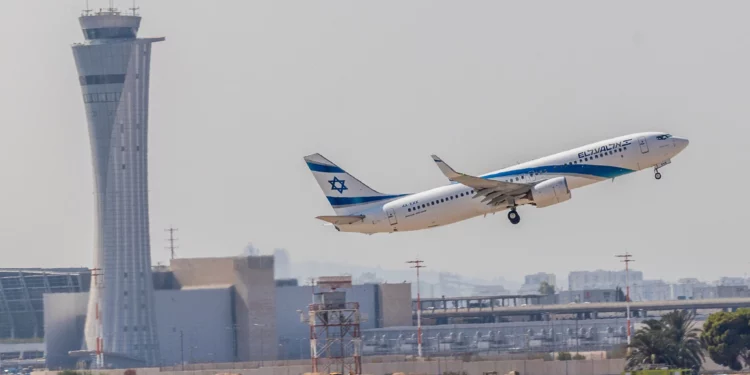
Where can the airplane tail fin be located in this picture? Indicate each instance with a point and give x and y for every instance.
(346, 194)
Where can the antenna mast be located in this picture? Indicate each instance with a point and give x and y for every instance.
(626, 259)
(134, 9)
(418, 264)
(171, 240)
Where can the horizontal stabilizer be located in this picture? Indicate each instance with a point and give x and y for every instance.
(341, 220)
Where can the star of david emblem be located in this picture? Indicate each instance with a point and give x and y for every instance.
(340, 188)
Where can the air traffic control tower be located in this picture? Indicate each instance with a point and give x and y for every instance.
(113, 69)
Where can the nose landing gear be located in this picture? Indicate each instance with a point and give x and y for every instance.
(657, 175)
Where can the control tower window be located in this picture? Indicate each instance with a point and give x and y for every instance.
(110, 33)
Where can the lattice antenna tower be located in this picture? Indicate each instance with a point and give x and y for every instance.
(171, 247)
(335, 335)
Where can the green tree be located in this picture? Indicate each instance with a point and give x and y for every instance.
(726, 337)
(546, 289)
(673, 341)
(619, 295)
(564, 356)
(578, 357)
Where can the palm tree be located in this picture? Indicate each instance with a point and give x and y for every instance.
(673, 341)
(684, 338)
(648, 345)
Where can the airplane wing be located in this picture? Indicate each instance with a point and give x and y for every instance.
(341, 220)
(495, 192)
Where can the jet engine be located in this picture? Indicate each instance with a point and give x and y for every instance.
(549, 192)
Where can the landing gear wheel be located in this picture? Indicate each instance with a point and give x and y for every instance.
(657, 176)
(514, 217)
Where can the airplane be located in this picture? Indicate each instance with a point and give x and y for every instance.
(541, 183)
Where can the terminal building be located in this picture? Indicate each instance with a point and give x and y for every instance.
(223, 310)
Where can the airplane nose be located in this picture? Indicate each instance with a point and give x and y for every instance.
(680, 143)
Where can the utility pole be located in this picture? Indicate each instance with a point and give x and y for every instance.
(418, 264)
(626, 259)
(171, 240)
(182, 351)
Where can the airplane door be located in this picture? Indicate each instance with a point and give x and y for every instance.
(392, 216)
(643, 144)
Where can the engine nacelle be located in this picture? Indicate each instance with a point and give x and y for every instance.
(549, 192)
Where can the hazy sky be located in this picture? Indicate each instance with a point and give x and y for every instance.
(242, 90)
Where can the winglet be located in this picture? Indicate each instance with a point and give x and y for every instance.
(445, 168)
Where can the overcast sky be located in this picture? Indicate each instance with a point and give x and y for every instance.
(242, 90)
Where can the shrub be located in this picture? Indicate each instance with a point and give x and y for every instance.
(564, 356)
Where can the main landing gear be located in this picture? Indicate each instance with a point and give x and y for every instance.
(657, 175)
(513, 216)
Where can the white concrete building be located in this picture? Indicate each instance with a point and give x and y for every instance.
(650, 290)
(532, 282)
(600, 279)
(113, 70)
(684, 288)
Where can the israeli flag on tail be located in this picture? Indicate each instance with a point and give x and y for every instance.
(346, 194)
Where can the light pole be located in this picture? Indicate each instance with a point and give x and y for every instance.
(261, 342)
(626, 259)
(182, 351)
(418, 264)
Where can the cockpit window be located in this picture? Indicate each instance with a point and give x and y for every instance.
(665, 136)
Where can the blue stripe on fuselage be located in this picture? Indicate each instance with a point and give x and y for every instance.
(324, 168)
(602, 171)
(349, 201)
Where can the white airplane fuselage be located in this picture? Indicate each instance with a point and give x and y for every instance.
(581, 166)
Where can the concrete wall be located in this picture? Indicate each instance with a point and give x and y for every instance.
(203, 317)
(395, 305)
(528, 367)
(254, 299)
(64, 320)
(293, 335)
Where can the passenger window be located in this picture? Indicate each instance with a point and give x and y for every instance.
(625, 148)
(408, 210)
